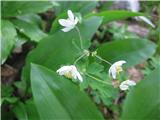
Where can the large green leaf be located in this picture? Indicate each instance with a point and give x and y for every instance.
(8, 39)
(113, 15)
(58, 98)
(58, 49)
(134, 51)
(17, 8)
(143, 101)
(29, 29)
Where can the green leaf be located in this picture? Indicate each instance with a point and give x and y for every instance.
(7, 94)
(59, 98)
(30, 30)
(94, 68)
(31, 18)
(8, 39)
(76, 6)
(134, 51)
(26, 111)
(102, 89)
(20, 40)
(113, 15)
(20, 111)
(89, 27)
(143, 101)
(89, 7)
(9, 100)
(55, 24)
(7, 90)
(32, 111)
(17, 8)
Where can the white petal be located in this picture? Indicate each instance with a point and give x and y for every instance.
(125, 84)
(72, 69)
(123, 87)
(147, 21)
(130, 82)
(76, 21)
(67, 29)
(70, 15)
(119, 63)
(65, 22)
(63, 70)
(79, 76)
(112, 71)
(76, 74)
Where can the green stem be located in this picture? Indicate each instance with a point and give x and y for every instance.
(79, 58)
(103, 60)
(97, 79)
(76, 46)
(80, 38)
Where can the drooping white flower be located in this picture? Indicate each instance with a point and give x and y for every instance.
(146, 20)
(70, 72)
(134, 6)
(126, 84)
(116, 68)
(68, 23)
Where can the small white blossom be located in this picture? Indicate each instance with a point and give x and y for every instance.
(134, 6)
(70, 72)
(126, 84)
(68, 23)
(116, 68)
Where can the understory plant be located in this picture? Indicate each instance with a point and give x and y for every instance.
(68, 73)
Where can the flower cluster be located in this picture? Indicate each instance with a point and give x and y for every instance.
(71, 72)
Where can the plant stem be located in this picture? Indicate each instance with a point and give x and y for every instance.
(80, 38)
(76, 46)
(103, 60)
(97, 79)
(79, 58)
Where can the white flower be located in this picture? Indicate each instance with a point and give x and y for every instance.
(70, 72)
(146, 20)
(126, 84)
(116, 68)
(134, 6)
(68, 23)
